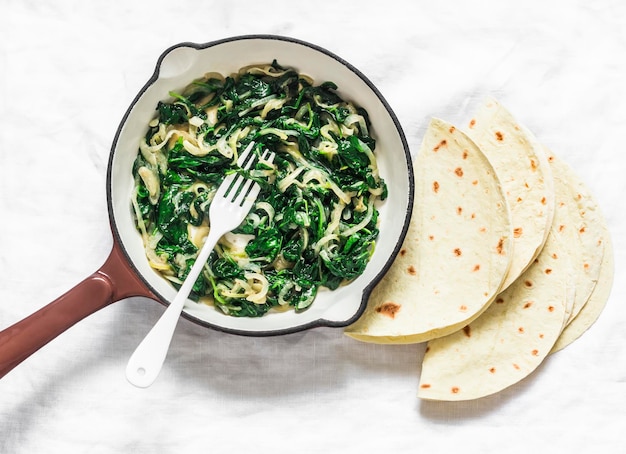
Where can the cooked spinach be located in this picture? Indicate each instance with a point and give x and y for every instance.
(315, 222)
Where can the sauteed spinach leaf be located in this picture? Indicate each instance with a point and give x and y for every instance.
(315, 222)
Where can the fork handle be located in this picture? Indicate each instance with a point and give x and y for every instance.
(145, 363)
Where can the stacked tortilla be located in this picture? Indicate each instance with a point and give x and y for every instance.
(506, 260)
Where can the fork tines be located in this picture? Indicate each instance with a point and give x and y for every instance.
(238, 187)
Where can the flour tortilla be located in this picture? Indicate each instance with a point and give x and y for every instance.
(457, 251)
(579, 222)
(526, 177)
(596, 302)
(508, 341)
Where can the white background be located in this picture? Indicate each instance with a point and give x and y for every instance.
(68, 71)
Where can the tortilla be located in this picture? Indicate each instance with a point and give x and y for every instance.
(457, 251)
(507, 342)
(596, 302)
(526, 176)
(579, 221)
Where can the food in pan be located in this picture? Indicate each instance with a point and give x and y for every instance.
(314, 224)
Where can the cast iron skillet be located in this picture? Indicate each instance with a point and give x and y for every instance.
(126, 272)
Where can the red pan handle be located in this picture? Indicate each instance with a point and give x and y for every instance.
(114, 281)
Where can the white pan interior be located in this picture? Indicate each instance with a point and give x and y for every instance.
(180, 65)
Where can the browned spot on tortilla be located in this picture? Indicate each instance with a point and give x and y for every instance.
(586, 266)
(435, 186)
(459, 210)
(543, 201)
(454, 390)
(520, 329)
(463, 308)
(535, 352)
(527, 185)
(528, 304)
(465, 154)
(541, 335)
(561, 227)
(499, 136)
(482, 229)
(550, 158)
(425, 385)
(517, 232)
(533, 165)
(443, 143)
(499, 300)
(472, 123)
(467, 331)
(458, 171)
(431, 237)
(402, 252)
(528, 283)
(473, 215)
(519, 199)
(582, 229)
(500, 246)
(515, 366)
(475, 182)
(492, 370)
(476, 267)
(389, 309)
(457, 252)
(554, 256)
(548, 270)
(579, 196)
(451, 130)
(411, 270)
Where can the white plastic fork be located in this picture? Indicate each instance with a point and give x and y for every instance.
(231, 204)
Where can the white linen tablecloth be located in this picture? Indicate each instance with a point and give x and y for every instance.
(68, 71)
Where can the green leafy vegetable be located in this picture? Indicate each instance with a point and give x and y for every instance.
(315, 222)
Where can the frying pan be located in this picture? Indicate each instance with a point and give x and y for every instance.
(126, 272)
